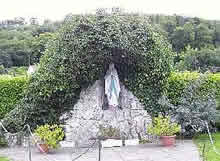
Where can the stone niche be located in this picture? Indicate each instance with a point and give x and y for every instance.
(83, 122)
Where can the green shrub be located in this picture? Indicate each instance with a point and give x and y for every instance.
(11, 91)
(178, 81)
(195, 107)
(194, 100)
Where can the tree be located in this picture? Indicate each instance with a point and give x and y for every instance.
(216, 34)
(200, 60)
(182, 37)
(189, 33)
(12, 48)
(203, 37)
(169, 26)
(188, 60)
(178, 39)
(180, 20)
(37, 46)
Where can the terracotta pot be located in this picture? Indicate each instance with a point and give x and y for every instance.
(168, 140)
(43, 148)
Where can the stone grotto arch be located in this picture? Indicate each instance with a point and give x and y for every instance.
(76, 61)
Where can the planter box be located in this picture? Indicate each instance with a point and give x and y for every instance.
(118, 143)
(111, 143)
(67, 144)
(132, 142)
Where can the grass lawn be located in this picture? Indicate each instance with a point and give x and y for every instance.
(210, 155)
(3, 159)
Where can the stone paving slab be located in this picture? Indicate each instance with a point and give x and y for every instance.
(183, 151)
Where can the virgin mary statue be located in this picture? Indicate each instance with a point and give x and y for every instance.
(112, 87)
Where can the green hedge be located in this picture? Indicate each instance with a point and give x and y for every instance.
(11, 91)
(178, 81)
(11, 88)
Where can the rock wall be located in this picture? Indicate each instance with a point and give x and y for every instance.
(83, 122)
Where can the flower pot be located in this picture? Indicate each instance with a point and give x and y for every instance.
(43, 148)
(168, 140)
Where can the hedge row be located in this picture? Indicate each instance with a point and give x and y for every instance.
(11, 91)
(178, 81)
(11, 88)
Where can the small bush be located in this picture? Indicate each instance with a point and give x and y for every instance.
(11, 89)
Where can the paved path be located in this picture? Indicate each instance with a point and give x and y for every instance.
(183, 151)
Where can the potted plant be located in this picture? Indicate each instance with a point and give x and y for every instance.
(48, 137)
(163, 127)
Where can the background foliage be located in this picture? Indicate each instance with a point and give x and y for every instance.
(24, 41)
(199, 60)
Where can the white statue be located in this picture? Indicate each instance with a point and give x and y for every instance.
(112, 86)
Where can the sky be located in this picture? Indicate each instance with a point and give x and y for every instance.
(57, 9)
